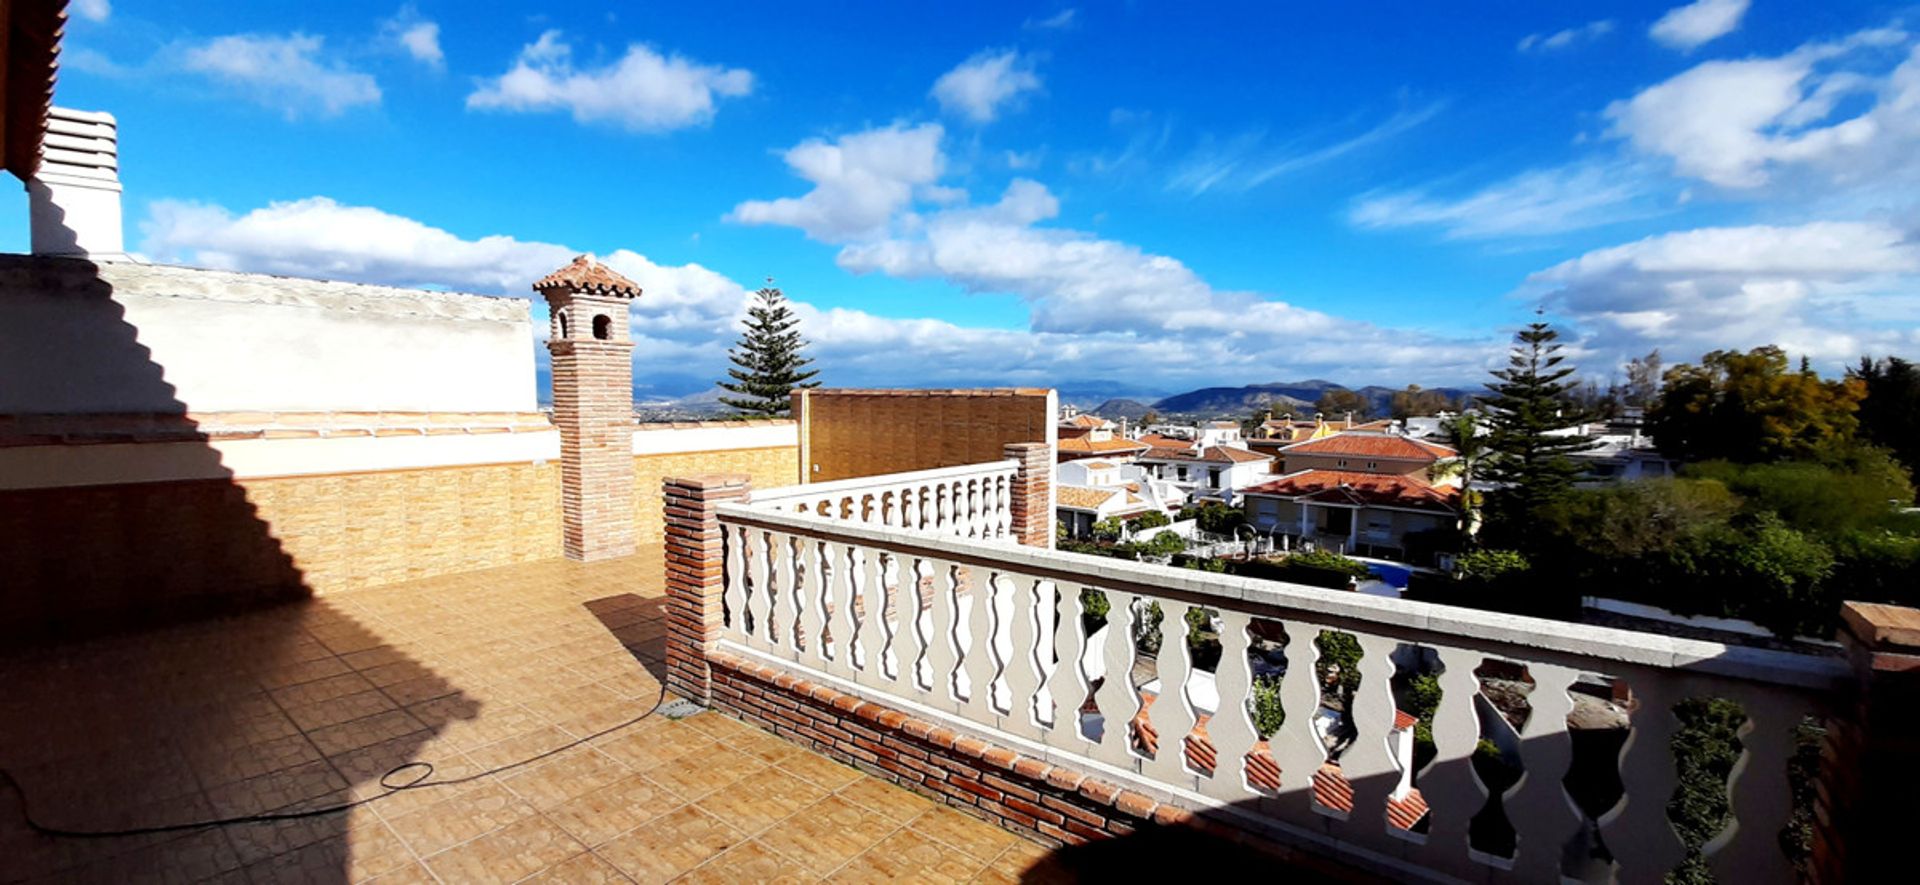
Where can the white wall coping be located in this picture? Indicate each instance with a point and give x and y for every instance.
(657, 440)
(64, 466)
(1390, 617)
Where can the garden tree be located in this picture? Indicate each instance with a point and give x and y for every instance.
(1416, 403)
(1750, 408)
(1336, 403)
(1528, 404)
(1462, 433)
(1643, 381)
(1150, 418)
(1890, 414)
(768, 365)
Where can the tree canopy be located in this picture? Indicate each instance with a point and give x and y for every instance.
(1752, 408)
(1529, 407)
(768, 365)
(1336, 403)
(1890, 414)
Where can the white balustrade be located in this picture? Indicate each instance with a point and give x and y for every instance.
(940, 620)
(969, 501)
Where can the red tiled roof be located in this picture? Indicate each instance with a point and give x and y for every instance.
(1165, 442)
(1359, 489)
(1085, 446)
(1082, 498)
(1088, 421)
(1213, 454)
(1372, 445)
(586, 274)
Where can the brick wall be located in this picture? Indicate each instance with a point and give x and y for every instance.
(84, 557)
(766, 468)
(852, 433)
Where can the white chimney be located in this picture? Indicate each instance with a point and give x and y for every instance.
(75, 197)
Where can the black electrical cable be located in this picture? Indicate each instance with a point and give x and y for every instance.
(386, 780)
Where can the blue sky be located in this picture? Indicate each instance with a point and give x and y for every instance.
(1152, 194)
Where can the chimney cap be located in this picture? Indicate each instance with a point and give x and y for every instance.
(586, 275)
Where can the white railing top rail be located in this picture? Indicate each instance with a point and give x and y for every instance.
(1332, 608)
(883, 481)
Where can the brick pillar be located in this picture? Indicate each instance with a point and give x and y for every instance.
(593, 405)
(1863, 812)
(695, 557)
(1032, 493)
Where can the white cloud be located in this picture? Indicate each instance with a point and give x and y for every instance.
(1832, 290)
(1537, 202)
(1686, 27)
(416, 36)
(1245, 162)
(643, 91)
(93, 10)
(985, 84)
(288, 73)
(1593, 30)
(859, 182)
(1065, 19)
(1733, 123)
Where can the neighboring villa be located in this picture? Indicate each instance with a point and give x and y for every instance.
(1090, 436)
(1276, 433)
(1360, 493)
(1206, 471)
(1091, 490)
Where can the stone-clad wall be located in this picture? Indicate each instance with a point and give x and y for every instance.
(853, 433)
(770, 467)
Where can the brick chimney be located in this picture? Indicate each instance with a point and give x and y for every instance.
(74, 197)
(593, 405)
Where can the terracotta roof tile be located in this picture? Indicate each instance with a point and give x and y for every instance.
(1082, 498)
(1353, 487)
(1372, 445)
(1085, 446)
(586, 274)
(1211, 454)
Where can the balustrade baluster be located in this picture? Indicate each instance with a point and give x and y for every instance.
(1231, 729)
(1761, 798)
(1172, 715)
(812, 613)
(760, 597)
(1543, 815)
(1023, 666)
(1369, 764)
(1453, 792)
(873, 605)
(1068, 687)
(1296, 748)
(1648, 779)
(735, 539)
(914, 627)
(841, 621)
(943, 650)
(977, 639)
(1116, 697)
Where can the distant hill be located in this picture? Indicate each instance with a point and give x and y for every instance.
(1115, 409)
(1284, 396)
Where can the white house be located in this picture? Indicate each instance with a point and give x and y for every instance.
(1091, 490)
(1208, 472)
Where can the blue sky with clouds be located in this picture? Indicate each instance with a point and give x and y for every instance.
(1154, 194)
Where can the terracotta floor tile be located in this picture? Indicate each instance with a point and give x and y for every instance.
(885, 799)
(699, 774)
(828, 833)
(820, 770)
(669, 845)
(366, 731)
(909, 856)
(570, 773)
(750, 861)
(762, 800)
(520, 748)
(508, 854)
(346, 708)
(963, 832)
(459, 818)
(1026, 862)
(580, 869)
(648, 749)
(305, 693)
(601, 814)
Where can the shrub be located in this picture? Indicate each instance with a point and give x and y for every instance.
(1150, 520)
(1268, 715)
(1215, 517)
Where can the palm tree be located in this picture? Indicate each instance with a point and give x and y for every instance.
(1463, 435)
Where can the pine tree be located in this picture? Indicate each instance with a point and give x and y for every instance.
(1531, 399)
(767, 363)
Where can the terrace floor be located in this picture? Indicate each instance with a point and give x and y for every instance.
(501, 679)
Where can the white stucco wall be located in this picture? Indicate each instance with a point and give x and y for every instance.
(84, 337)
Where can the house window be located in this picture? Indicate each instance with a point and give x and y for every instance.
(1183, 474)
(602, 327)
(1213, 478)
(1372, 465)
(1340, 463)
